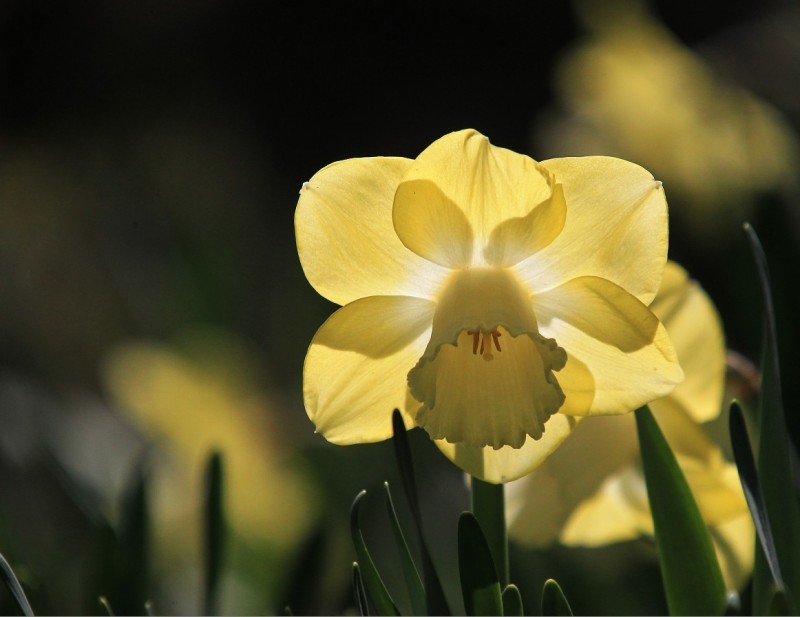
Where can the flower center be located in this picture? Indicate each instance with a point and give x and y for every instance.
(508, 396)
(483, 341)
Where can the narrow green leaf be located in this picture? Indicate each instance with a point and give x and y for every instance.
(748, 476)
(479, 583)
(554, 602)
(488, 505)
(128, 579)
(359, 593)
(434, 593)
(692, 579)
(512, 602)
(307, 569)
(779, 603)
(213, 531)
(775, 469)
(13, 584)
(106, 606)
(416, 591)
(373, 583)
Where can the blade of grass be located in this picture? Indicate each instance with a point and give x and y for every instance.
(775, 470)
(13, 584)
(373, 583)
(512, 602)
(213, 531)
(434, 593)
(554, 602)
(479, 583)
(692, 579)
(748, 476)
(359, 593)
(416, 591)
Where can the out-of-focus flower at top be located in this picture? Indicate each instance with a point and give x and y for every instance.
(492, 299)
(591, 491)
(196, 396)
(633, 90)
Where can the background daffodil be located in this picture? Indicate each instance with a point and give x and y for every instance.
(494, 300)
(591, 491)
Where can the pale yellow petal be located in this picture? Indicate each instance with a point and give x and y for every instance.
(346, 239)
(683, 434)
(613, 337)
(695, 330)
(539, 504)
(616, 228)
(733, 542)
(431, 225)
(357, 365)
(489, 184)
(618, 511)
(507, 463)
(518, 238)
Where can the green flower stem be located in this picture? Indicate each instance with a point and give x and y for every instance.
(488, 506)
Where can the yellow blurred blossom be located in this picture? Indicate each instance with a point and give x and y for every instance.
(197, 397)
(633, 90)
(493, 299)
(592, 492)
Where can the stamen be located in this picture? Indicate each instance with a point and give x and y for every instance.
(483, 342)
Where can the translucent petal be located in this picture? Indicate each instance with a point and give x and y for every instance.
(695, 330)
(517, 238)
(539, 504)
(489, 184)
(733, 541)
(346, 239)
(616, 228)
(357, 365)
(507, 463)
(619, 356)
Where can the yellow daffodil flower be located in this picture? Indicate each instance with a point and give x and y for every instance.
(493, 299)
(592, 492)
(632, 84)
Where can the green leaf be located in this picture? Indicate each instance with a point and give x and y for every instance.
(692, 579)
(416, 591)
(373, 583)
(743, 456)
(554, 602)
(434, 593)
(512, 602)
(214, 531)
(307, 569)
(106, 606)
(488, 505)
(479, 583)
(12, 582)
(359, 593)
(775, 468)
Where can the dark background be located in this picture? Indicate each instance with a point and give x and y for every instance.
(150, 158)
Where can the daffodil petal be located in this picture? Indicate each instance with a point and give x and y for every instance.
(621, 344)
(616, 228)
(539, 504)
(489, 184)
(518, 238)
(733, 542)
(618, 511)
(507, 463)
(695, 330)
(346, 239)
(431, 225)
(356, 367)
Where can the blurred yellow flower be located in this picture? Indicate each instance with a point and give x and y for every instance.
(494, 300)
(634, 90)
(190, 399)
(591, 491)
